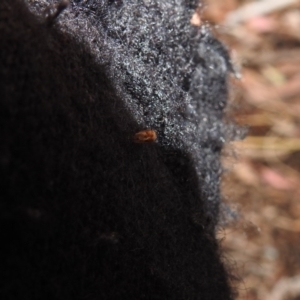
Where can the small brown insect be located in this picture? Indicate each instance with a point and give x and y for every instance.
(145, 136)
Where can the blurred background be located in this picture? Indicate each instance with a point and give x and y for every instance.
(262, 179)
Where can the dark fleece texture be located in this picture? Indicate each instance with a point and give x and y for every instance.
(85, 212)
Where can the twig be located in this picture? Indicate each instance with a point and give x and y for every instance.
(287, 224)
(286, 287)
(256, 9)
(269, 143)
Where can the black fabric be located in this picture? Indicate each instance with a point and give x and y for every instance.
(85, 212)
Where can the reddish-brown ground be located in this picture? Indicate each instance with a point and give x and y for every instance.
(263, 180)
